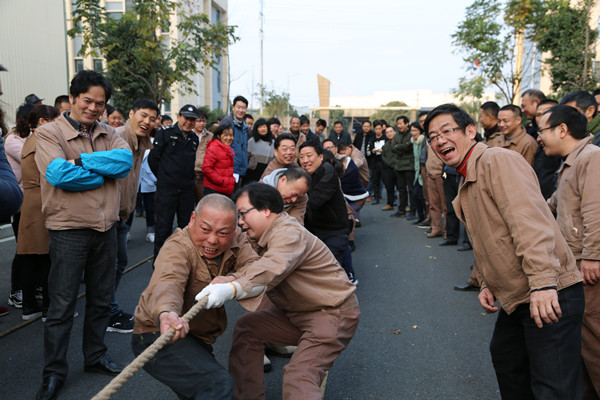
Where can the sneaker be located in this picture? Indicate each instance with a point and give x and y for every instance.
(267, 364)
(398, 214)
(280, 351)
(31, 313)
(120, 323)
(3, 311)
(150, 237)
(352, 279)
(16, 299)
(411, 217)
(387, 208)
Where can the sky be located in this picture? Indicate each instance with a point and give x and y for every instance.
(360, 46)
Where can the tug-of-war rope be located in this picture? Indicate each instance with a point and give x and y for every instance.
(146, 355)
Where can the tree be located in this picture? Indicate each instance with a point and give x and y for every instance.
(390, 115)
(566, 34)
(276, 104)
(139, 62)
(493, 46)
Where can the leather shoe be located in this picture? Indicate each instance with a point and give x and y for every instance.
(447, 242)
(467, 287)
(51, 385)
(104, 366)
(464, 247)
(433, 235)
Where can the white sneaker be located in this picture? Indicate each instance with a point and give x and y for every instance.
(266, 364)
(128, 236)
(150, 237)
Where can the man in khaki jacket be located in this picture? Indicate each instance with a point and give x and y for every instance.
(136, 132)
(315, 306)
(514, 137)
(525, 263)
(285, 152)
(80, 161)
(208, 247)
(562, 132)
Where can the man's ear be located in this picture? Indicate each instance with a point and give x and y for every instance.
(471, 131)
(589, 113)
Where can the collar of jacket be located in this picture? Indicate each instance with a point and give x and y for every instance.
(572, 156)
(476, 152)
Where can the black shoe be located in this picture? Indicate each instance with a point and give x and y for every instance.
(447, 242)
(51, 385)
(104, 366)
(375, 202)
(411, 217)
(352, 245)
(398, 214)
(418, 222)
(465, 247)
(120, 323)
(467, 287)
(423, 225)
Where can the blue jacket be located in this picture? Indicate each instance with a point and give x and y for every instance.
(239, 145)
(11, 195)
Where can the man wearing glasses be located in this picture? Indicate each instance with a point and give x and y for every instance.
(525, 263)
(315, 306)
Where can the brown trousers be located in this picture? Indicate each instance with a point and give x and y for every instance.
(320, 335)
(423, 173)
(437, 203)
(590, 342)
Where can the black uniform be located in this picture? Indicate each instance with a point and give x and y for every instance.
(172, 162)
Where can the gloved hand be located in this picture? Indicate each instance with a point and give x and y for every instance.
(217, 294)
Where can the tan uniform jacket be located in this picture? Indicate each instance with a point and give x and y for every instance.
(516, 241)
(576, 200)
(274, 164)
(522, 143)
(129, 184)
(201, 151)
(180, 273)
(33, 235)
(298, 270)
(361, 162)
(96, 209)
(433, 165)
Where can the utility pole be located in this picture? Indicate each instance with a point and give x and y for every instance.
(262, 83)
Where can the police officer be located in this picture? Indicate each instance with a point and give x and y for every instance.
(172, 162)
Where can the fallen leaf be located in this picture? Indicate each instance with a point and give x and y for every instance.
(408, 312)
(397, 332)
(376, 266)
(428, 246)
(415, 326)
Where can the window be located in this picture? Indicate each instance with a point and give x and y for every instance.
(78, 65)
(167, 105)
(114, 6)
(77, 44)
(219, 81)
(115, 15)
(98, 65)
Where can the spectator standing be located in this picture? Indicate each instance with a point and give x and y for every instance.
(417, 139)
(404, 168)
(530, 99)
(219, 161)
(294, 130)
(79, 161)
(260, 151)
(375, 148)
(249, 120)
(514, 137)
(339, 135)
(204, 136)
(62, 103)
(284, 151)
(240, 138)
(274, 125)
(390, 162)
(114, 116)
(488, 116)
(172, 161)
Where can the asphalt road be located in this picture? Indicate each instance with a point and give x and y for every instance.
(417, 339)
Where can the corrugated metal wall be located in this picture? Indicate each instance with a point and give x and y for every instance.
(32, 48)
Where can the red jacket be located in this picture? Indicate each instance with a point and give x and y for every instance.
(218, 167)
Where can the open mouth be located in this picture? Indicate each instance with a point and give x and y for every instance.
(209, 251)
(447, 152)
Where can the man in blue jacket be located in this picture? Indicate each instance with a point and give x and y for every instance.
(80, 161)
(240, 138)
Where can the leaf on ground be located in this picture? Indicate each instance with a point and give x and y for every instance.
(376, 266)
(432, 258)
(397, 332)
(428, 246)
(415, 326)
(408, 312)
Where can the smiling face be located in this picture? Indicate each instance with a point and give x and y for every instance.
(212, 230)
(529, 105)
(200, 125)
(88, 106)
(366, 127)
(390, 133)
(291, 191)
(329, 145)
(186, 124)
(338, 128)
(286, 152)
(509, 123)
(401, 125)
(304, 128)
(309, 159)
(142, 121)
(262, 130)
(294, 124)
(414, 132)
(254, 222)
(239, 109)
(115, 119)
(549, 137)
(488, 121)
(453, 146)
(227, 137)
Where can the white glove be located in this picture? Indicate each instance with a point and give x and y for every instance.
(237, 177)
(217, 294)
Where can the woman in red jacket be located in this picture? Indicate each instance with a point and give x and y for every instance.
(218, 162)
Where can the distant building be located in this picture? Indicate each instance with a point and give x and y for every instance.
(42, 59)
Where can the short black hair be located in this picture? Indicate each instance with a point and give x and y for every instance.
(294, 117)
(547, 101)
(273, 120)
(284, 136)
(293, 174)
(166, 117)
(262, 197)
(321, 122)
(145, 103)
(113, 109)
(460, 116)
(535, 93)
(248, 116)
(85, 79)
(403, 118)
(338, 122)
(491, 107)
(304, 120)
(222, 127)
(63, 98)
(583, 99)
(516, 110)
(240, 98)
(202, 113)
(422, 113)
(366, 122)
(596, 91)
(416, 125)
(328, 140)
(316, 146)
(44, 112)
(377, 122)
(576, 122)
